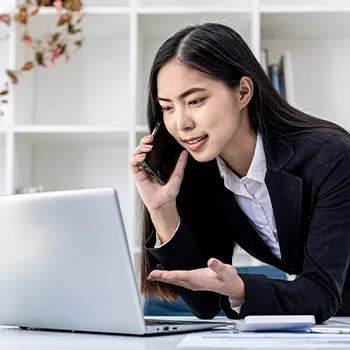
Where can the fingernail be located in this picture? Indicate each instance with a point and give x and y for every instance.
(214, 264)
(148, 146)
(142, 155)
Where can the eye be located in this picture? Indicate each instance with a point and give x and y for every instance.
(197, 101)
(166, 109)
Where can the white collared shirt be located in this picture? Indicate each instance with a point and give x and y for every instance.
(254, 200)
(253, 196)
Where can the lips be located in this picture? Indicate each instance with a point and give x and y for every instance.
(196, 143)
(192, 140)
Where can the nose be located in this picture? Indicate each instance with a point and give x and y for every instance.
(184, 121)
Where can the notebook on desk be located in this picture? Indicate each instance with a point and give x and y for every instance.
(65, 265)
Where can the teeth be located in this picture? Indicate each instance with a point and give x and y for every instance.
(197, 140)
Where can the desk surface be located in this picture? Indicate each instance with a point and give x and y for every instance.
(17, 339)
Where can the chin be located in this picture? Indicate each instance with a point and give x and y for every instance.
(203, 157)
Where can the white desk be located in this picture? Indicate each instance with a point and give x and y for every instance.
(17, 339)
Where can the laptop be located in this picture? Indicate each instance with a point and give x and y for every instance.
(65, 264)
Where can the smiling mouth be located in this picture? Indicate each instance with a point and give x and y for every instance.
(193, 142)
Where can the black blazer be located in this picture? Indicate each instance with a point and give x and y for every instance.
(308, 179)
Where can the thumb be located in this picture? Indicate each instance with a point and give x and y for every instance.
(218, 267)
(180, 167)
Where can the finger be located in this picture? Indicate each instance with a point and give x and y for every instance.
(167, 276)
(136, 160)
(219, 268)
(142, 149)
(156, 274)
(144, 145)
(179, 170)
(176, 276)
(146, 139)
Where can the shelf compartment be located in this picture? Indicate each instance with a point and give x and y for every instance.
(319, 59)
(92, 88)
(306, 25)
(73, 163)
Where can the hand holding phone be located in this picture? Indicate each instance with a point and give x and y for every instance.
(160, 200)
(161, 161)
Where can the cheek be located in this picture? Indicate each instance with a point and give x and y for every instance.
(170, 126)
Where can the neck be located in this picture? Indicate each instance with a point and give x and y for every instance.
(239, 152)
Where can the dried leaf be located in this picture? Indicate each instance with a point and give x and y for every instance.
(28, 66)
(27, 39)
(6, 19)
(61, 22)
(55, 36)
(35, 11)
(4, 92)
(78, 43)
(65, 18)
(73, 5)
(12, 75)
(40, 58)
(23, 6)
(44, 2)
(23, 17)
(73, 30)
(63, 49)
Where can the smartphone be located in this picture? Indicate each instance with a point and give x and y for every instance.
(160, 162)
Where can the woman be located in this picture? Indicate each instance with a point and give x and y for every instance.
(255, 171)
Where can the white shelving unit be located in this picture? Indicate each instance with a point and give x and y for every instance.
(76, 125)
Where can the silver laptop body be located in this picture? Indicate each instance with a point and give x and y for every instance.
(65, 265)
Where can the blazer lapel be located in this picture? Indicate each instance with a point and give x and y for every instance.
(285, 192)
(245, 233)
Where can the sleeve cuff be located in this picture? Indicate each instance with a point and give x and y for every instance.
(236, 304)
(159, 244)
(255, 302)
(180, 253)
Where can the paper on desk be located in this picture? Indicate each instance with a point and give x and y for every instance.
(232, 339)
(338, 321)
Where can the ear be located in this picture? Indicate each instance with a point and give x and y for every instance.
(245, 91)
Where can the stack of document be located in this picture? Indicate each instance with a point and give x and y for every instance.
(333, 333)
(285, 340)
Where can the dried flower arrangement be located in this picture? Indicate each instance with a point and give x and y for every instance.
(50, 46)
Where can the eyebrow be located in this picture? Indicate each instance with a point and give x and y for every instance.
(184, 94)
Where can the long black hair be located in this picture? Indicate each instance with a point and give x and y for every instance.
(220, 53)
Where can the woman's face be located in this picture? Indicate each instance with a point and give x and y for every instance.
(202, 114)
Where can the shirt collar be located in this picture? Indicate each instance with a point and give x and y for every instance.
(257, 167)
